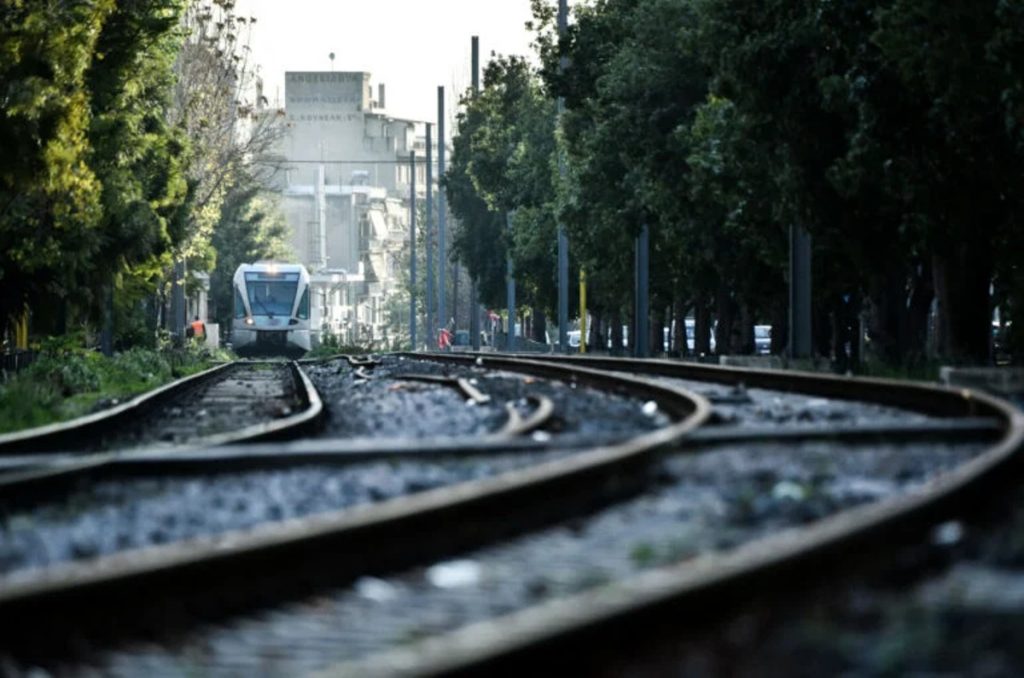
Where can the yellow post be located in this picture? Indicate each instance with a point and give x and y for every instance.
(583, 311)
(21, 332)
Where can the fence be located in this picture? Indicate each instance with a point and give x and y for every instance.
(17, 360)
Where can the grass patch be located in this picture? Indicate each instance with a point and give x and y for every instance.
(65, 383)
(917, 371)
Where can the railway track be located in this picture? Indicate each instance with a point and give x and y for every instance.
(354, 578)
(230, 403)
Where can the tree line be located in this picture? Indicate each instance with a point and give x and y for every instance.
(891, 130)
(134, 137)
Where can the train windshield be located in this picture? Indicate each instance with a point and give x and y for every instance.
(272, 294)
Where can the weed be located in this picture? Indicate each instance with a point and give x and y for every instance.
(68, 381)
(642, 555)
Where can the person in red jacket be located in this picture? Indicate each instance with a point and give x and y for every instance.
(444, 339)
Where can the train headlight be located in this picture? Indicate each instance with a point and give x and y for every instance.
(249, 320)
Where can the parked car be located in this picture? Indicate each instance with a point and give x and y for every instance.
(691, 332)
(762, 339)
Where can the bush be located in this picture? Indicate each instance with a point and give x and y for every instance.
(330, 344)
(70, 373)
(67, 381)
(25, 403)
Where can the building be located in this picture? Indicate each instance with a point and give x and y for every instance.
(346, 196)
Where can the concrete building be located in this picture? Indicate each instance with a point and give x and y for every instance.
(346, 193)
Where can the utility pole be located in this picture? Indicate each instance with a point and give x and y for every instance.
(442, 216)
(429, 244)
(178, 309)
(510, 289)
(583, 311)
(799, 293)
(563, 241)
(412, 249)
(107, 334)
(641, 328)
(474, 308)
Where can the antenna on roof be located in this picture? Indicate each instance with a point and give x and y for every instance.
(331, 56)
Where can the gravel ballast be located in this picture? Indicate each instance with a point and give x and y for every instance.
(386, 405)
(702, 503)
(102, 518)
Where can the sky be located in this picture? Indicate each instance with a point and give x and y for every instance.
(412, 46)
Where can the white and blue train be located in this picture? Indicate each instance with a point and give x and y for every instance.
(272, 309)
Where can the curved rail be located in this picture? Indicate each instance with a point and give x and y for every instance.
(919, 397)
(70, 434)
(64, 435)
(517, 425)
(612, 617)
(404, 530)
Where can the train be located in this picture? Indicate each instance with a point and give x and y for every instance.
(271, 310)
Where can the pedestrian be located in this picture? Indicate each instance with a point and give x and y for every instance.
(198, 329)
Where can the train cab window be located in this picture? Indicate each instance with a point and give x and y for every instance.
(272, 294)
(303, 312)
(239, 305)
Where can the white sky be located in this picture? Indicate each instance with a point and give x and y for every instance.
(412, 46)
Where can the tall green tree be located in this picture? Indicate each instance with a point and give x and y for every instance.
(959, 65)
(141, 159)
(477, 237)
(49, 195)
(502, 186)
(251, 227)
(233, 132)
(92, 175)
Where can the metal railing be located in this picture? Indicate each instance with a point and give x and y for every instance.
(17, 360)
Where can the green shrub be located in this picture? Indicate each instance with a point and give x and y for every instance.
(25, 403)
(70, 373)
(67, 381)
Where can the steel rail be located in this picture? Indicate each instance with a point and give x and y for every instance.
(610, 621)
(28, 486)
(914, 396)
(61, 437)
(134, 590)
(468, 390)
(517, 425)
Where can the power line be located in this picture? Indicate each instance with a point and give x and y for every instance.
(355, 162)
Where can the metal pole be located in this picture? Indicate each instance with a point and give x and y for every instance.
(583, 311)
(563, 241)
(641, 342)
(510, 290)
(351, 301)
(107, 335)
(474, 306)
(442, 217)
(428, 238)
(455, 292)
(412, 249)
(800, 345)
(178, 309)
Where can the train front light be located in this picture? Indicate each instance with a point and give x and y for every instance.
(249, 320)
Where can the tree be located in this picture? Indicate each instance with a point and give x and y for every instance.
(49, 195)
(218, 101)
(140, 158)
(477, 236)
(502, 187)
(91, 178)
(251, 227)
